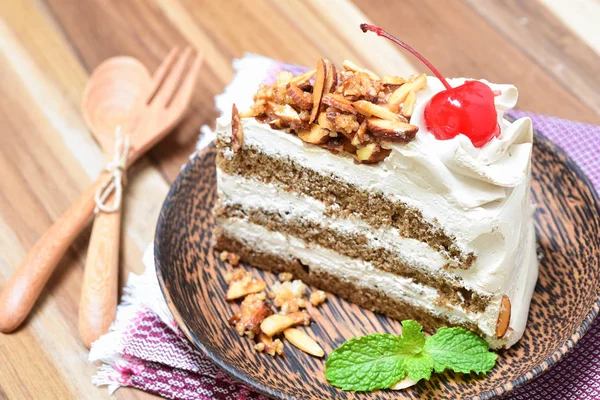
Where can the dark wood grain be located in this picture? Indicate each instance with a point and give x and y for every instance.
(563, 306)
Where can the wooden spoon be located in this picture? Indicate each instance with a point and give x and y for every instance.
(164, 106)
(110, 97)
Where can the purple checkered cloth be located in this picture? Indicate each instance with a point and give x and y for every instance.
(156, 358)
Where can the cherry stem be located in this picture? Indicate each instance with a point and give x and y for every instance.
(381, 32)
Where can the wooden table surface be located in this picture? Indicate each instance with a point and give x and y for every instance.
(550, 49)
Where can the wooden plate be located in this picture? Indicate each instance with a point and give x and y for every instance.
(564, 304)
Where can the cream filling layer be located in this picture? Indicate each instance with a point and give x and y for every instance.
(294, 207)
(361, 272)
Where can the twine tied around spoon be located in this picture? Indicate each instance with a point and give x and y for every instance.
(117, 168)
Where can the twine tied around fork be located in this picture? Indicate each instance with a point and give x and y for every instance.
(117, 168)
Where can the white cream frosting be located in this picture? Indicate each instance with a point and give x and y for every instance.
(481, 196)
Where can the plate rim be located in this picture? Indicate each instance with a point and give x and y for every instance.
(498, 391)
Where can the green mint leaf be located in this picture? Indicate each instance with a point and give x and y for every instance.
(366, 363)
(459, 350)
(412, 336)
(418, 366)
(417, 363)
(378, 361)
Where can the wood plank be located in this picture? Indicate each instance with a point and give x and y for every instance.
(460, 43)
(140, 29)
(561, 53)
(42, 173)
(581, 16)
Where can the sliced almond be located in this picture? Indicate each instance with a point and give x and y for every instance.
(276, 124)
(276, 323)
(369, 109)
(392, 131)
(252, 112)
(324, 122)
(339, 102)
(359, 137)
(414, 85)
(350, 66)
(237, 136)
(301, 98)
(316, 134)
(393, 80)
(409, 104)
(403, 383)
(242, 288)
(503, 317)
(286, 113)
(318, 89)
(303, 78)
(332, 78)
(304, 342)
(371, 153)
(395, 108)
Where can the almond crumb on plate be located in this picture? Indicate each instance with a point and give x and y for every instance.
(285, 276)
(241, 283)
(253, 311)
(317, 298)
(289, 296)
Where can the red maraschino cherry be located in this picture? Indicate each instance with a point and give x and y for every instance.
(468, 109)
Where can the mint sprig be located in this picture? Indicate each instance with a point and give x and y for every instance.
(378, 361)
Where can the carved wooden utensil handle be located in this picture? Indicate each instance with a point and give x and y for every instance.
(30, 277)
(98, 303)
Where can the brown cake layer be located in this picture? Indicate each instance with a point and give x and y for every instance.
(343, 199)
(350, 290)
(355, 245)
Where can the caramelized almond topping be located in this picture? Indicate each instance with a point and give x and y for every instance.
(314, 135)
(415, 84)
(392, 131)
(503, 317)
(369, 109)
(350, 66)
(303, 78)
(342, 110)
(318, 89)
(237, 136)
(393, 80)
(339, 102)
(331, 78)
(301, 98)
(371, 154)
(409, 104)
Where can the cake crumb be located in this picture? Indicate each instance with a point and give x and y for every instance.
(317, 298)
(286, 276)
(232, 258)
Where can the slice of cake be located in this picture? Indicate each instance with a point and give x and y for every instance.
(361, 186)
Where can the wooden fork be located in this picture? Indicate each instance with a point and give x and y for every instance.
(164, 106)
